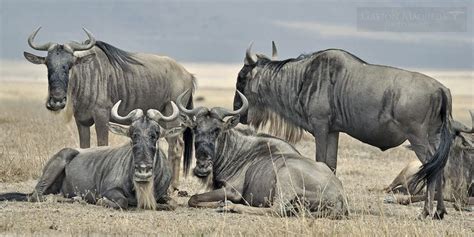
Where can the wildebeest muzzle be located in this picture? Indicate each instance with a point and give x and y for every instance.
(57, 96)
(143, 173)
(56, 103)
(203, 168)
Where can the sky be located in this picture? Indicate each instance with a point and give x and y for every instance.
(425, 34)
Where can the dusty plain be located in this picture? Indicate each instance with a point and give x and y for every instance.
(29, 135)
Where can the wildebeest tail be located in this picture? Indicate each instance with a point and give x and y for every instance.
(433, 168)
(22, 197)
(188, 142)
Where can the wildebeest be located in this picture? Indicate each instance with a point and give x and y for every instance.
(458, 177)
(134, 174)
(93, 76)
(265, 173)
(333, 91)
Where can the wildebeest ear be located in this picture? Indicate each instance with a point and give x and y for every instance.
(232, 122)
(172, 132)
(118, 129)
(34, 59)
(85, 58)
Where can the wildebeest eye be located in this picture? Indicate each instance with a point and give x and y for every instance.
(215, 130)
(153, 136)
(135, 136)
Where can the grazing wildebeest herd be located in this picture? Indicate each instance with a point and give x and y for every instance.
(245, 171)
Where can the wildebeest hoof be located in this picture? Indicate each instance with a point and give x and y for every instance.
(439, 215)
(104, 202)
(423, 215)
(35, 197)
(225, 203)
(228, 208)
(76, 199)
(390, 199)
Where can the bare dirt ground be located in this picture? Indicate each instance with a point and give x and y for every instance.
(29, 135)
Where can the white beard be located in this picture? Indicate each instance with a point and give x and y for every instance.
(144, 192)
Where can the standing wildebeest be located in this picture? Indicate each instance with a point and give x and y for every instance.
(134, 174)
(100, 75)
(266, 173)
(458, 176)
(333, 91)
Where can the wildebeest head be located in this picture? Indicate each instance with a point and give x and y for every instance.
(247, 74)
(59, 61)
(207, 125)
(144, 132)
(459, 170)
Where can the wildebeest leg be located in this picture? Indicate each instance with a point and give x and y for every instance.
(440, 208)
(429, 199)
(422, 148)
(175, 149)
(331, 150)
(211, 199)
(395, 183)
(84, 135)
(166, 203)
(244, 209)
(321, 136)
(101, 118)
(52, 178)
(404, 199)
(113, 198)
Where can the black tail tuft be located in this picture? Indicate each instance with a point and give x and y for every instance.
(431, 170)
(22, 197)
(188, 143)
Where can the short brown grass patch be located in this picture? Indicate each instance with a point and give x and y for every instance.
(29, 135)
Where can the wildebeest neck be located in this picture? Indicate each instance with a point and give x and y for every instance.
(235, 152)
(277, 102)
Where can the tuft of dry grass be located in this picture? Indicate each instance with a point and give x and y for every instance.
(29, 135)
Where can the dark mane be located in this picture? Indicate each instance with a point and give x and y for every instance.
(277, 65)
(353, 56)
(117, 57)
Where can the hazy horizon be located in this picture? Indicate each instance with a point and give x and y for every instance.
(434, 35)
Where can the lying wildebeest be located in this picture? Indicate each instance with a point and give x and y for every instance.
(333, 91)
(95, 75)
(134, 174)
(458, 177)
(266, 173)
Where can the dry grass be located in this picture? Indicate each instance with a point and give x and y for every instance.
(29, 135)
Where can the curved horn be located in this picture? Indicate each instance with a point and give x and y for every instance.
(132, 116)
(157, 115)
(189, 112)
(459, 127)
(224, 112)
(274, 51)
(42, 47)
(250, 58)
(80, 47)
